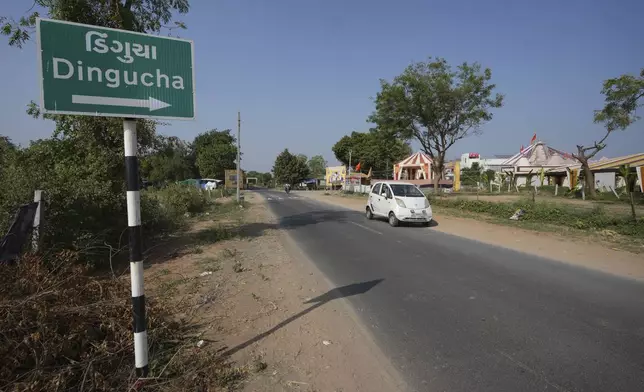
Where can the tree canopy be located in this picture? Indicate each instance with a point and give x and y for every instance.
(215, 151)
(317, 166)
(262, 178)
(471, 175)
(143, 16)
(436, 105)
(622, 97)
(170, 159)
(376, 150)
(289, 168)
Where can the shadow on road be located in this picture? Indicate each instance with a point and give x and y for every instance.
(338, 292)
(310, 218)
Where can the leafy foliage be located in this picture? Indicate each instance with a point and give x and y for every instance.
(622, 97)
(149, 16)
(289, 168)
(170, 159)
(262, 178)
(375, 149)
(471, 175)
(436, 105)
(488, 176)
(317, 166)
(179, 199)
(216, 151)
(81, 170)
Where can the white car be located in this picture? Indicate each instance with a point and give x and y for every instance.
(210, 184)
(398, 202)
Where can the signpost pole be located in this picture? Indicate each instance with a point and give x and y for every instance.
(138, 76)
(136, 253)
(238, 155)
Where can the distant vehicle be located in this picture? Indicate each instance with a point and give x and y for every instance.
(398, 202)
(210, 183)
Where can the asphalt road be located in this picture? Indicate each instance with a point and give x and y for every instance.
(458, 315)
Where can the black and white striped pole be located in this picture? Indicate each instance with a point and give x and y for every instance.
(136, 253)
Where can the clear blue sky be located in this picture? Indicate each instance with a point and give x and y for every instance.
(303, 72)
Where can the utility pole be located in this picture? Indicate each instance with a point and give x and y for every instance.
(238, 155)
(348, 181)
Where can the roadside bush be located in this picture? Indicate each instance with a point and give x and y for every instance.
(550, 213)
(177, 200)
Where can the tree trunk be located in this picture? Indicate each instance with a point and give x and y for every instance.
(589, 181)
(630, 194)
(437, 168)
(589, 177)
(437, 179)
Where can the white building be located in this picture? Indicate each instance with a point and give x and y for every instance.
(495, 163)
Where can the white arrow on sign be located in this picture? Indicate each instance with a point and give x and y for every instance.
(150, 103)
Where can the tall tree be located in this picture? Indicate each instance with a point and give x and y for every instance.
(436, 105)
(622, 97)
(215, 151)
(377, 150)
(289, 168)
(317, 166)
(170, 159)
(266, 178)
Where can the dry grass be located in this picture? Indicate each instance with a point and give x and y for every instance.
(65, 330)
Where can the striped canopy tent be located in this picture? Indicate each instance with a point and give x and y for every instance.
(415, 167)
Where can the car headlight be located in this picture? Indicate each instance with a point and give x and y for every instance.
(400, 203)
(426, 203)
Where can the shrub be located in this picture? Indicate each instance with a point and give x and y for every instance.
(177, 200)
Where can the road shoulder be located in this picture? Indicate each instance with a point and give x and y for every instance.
(251, 294)
(576, 252)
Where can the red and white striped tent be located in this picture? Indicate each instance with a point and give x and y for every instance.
(418, 166)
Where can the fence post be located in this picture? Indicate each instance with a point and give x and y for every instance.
(556, 189)
(36, 233)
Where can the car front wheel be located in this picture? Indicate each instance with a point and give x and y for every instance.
(369, 213)
(393, 221)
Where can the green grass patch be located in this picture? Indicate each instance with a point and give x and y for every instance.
(549, 213)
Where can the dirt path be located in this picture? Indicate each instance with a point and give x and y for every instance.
(253, 309)
(580, 252)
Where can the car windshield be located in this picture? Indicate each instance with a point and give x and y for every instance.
(404, 190)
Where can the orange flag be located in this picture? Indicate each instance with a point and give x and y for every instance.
(358, 167)
(534, 138)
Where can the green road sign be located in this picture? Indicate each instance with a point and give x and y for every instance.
(97, 71)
